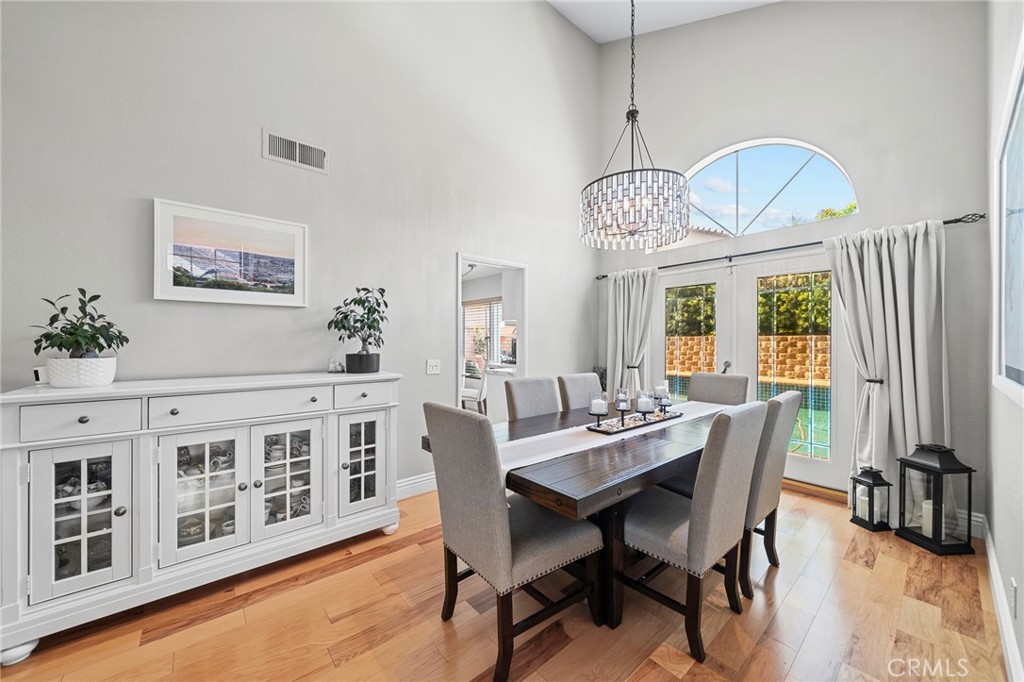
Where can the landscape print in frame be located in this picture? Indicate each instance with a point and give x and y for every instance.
(217, 256)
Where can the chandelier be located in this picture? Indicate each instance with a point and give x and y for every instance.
(640, 208)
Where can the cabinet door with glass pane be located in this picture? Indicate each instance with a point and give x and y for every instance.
(287, 466)
(362, 444)
(204, 493)
(81, 527)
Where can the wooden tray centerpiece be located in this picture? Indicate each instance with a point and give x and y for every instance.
(631, 421)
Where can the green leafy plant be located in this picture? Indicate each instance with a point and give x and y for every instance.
(828, 212)
(84, 335)
(361, 317)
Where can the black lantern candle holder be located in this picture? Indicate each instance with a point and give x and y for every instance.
(870, 500)
(934, 487)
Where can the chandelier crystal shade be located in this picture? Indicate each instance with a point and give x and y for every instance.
(640, 208)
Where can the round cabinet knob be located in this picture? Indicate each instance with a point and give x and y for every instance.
(83, 420)
(175, 412)
(364, 394)
(243, 487)
(257, 484)
(120, 511)
(345, 465)
(313, 399)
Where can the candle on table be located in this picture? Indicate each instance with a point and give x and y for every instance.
(598, 406)
(644, 404)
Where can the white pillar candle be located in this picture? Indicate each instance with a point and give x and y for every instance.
(644, 404)
(598, 406)
(862, 505)
(927, 509)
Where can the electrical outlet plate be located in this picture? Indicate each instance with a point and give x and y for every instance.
(433, 366)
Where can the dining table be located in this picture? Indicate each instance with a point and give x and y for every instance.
(593, 482)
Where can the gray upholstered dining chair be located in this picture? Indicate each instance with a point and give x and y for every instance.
(694, 535)
(509, 542)
(766, 481)
(528, 397)
(723, 389)
(576, 389)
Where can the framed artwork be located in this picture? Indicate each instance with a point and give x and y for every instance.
(1011, 245)
(216, 256)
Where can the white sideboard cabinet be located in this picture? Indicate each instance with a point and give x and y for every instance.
(115, 496)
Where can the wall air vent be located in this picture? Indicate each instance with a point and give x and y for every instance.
(279, 148)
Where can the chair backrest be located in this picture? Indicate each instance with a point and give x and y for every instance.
(770, 464)
(531, 396)
(723, 478)
(471, 491)
(724, 389)
(576, 389)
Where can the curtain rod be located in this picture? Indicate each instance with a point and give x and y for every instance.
(967, 218)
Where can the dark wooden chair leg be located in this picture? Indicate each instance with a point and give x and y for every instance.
(485, 406)
(745, 587)
(505, 638)
(594, 600)
(732, 561)
(451, 584)
(769, 537)
(694, 602)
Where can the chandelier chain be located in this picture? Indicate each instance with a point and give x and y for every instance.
(632, 54)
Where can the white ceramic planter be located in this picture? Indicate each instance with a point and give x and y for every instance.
(81, 372)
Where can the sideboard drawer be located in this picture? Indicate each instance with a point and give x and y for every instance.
(185, 410)
(73, 420)
(361, 395)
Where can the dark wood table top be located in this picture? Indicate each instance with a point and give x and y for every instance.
(583, 483)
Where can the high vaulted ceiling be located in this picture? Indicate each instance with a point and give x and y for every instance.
(608, 20)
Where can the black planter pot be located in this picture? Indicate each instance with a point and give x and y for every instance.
(362, 364)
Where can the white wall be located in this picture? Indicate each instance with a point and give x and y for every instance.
(451, 127)
(894, 91)
(1005, 508)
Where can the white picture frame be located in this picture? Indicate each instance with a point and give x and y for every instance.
(1009, 295)
(211, 255)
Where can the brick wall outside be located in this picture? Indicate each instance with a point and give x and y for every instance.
(790, 356)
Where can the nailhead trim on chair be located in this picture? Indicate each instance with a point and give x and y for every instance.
(669, 561)
(525, 582)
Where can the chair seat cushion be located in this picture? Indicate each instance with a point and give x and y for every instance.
(657, 523)
(683, 482)
(543, 540)
(470, 394)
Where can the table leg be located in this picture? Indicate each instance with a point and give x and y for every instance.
(612, 564)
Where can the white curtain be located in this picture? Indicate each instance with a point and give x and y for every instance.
(630, 301)
(890, 286)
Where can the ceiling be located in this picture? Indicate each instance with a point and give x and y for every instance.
(608, 20)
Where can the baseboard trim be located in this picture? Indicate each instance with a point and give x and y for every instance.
(814, 490)
(416, 485)
(1011, 652)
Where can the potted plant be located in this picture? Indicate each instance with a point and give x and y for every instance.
(362, 317)
(83, 336)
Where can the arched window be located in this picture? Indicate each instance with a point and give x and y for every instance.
(766, 185)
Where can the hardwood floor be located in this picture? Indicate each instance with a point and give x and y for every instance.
(843, 604)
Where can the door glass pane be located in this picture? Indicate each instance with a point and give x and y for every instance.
(205, 502)
(67, 560)
(362, 459)
(100, 552)
(689, 335)
(286, 475)
(794, 339)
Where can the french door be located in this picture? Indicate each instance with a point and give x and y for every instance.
(771, 321)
